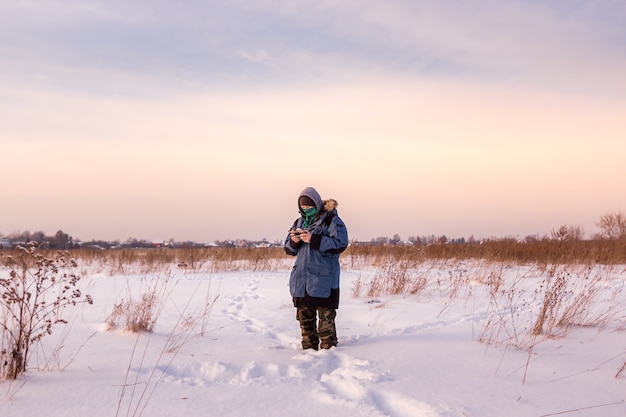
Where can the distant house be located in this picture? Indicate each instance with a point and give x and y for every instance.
(5, 244)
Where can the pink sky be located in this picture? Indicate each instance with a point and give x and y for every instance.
(415, 159)
(501, 135)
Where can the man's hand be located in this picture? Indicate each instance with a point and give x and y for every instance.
(295, 235)
(305, 236)
(299, 235)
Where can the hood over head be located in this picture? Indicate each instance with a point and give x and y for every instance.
(321, 205)
(312, 194)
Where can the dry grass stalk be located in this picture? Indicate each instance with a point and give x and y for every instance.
(358, 287)
(621, 371)
(189, 326)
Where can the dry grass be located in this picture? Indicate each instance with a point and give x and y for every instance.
(165, 260)
(136, 315)
(139, 312)
(557, 249)
(395, 277)
(563, 297)
(569, 273)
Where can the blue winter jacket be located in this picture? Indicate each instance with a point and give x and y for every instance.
(316, 269)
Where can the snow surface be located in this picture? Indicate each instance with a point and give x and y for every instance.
(399, 356)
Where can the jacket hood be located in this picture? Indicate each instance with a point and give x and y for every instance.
(313, 195)
(326, 205)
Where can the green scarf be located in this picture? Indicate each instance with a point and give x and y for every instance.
(309, 215)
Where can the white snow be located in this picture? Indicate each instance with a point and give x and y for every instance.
(399, 355)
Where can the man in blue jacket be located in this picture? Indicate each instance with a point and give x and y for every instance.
(316, 239)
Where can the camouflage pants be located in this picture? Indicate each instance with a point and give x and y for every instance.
(324, 334)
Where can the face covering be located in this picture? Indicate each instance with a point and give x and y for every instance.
(309, 214)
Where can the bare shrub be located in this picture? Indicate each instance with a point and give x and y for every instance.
(34, 296)
(139, 314)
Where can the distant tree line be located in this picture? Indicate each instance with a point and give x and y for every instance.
(63, 241)
(612, 227)
(60, 240)
(417, 240)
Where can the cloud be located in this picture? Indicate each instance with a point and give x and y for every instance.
(549, 45)
(143, 47)
(259, 57)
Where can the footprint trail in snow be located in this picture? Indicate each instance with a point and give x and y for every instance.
(332, 377)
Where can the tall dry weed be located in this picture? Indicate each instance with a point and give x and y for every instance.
(34, 296)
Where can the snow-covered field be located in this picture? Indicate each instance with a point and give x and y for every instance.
(399, 355)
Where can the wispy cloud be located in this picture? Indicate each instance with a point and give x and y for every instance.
(559, 44)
